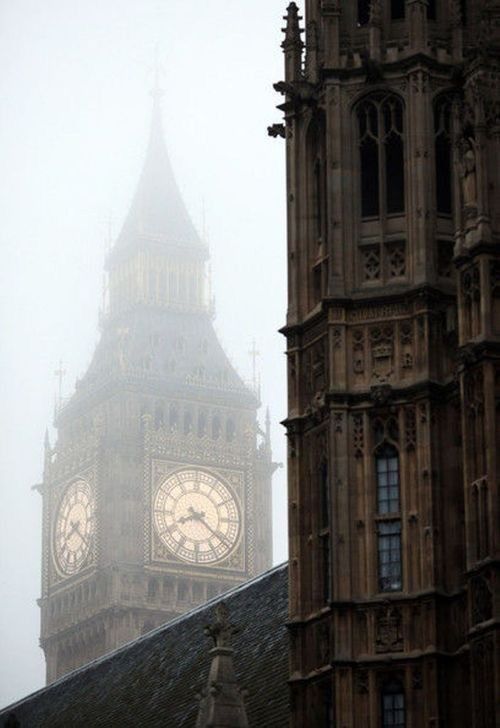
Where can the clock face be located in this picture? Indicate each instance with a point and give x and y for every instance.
(197, 517)
(74, 528)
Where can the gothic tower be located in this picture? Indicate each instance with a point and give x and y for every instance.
(157, 495)
(392, 127)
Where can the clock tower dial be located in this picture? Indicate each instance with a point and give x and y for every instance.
(74, 528)
(197, 517)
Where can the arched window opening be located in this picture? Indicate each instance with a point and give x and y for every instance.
(394, 156)
(159, 416)
(202, 424)
(387, 464)
(216, 428)
(182, 593)
(398, 9)
(442, 153)
(188, 423)
(381, 139)
(393, 705)
(316, 184)
(363, 12)
(152, 589)
(370, 173)
(230, 430)
(173, 417)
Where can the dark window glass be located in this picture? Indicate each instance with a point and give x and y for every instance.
(369, 140)
(398, 9)
(216, 428)
(442, 130)
(431, 9)
(463, 8)
(394, 156)
(380, 120)
(393, 706)
(395, 178)
(363, 12)
(389, 556)
(369, 178)
(387, 462)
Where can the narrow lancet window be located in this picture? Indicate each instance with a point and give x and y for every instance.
(381, 139)
(387, 480)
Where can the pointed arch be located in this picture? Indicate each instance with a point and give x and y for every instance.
(381, 135)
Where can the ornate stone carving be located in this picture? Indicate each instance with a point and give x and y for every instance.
(410, 428)
(358, 435)
(396, 260)
(382, 346)
(371, 262)
(388, 630)
(358, 347)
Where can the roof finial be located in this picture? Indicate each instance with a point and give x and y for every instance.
(222, 701)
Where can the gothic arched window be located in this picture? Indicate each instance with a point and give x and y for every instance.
(381, 139)
(202, 424)
(188, 423)
(173, 418)
(387, 463)
(159, 416)
(216, 428)
(442, 154)
(393, 705)
(230, 430)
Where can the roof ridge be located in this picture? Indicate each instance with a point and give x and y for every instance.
(149, 635)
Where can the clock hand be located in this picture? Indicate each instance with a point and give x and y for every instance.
(77, 530)
(74, 527)
(217, 534)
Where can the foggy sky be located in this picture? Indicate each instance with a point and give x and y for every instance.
(74, 120)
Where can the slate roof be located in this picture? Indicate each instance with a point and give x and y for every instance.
(153, 681)
(180, 350)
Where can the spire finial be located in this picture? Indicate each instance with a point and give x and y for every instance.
(222, 701)
(157, 91)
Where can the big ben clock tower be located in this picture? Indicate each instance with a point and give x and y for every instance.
(157, 494)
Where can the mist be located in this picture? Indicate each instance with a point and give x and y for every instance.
(75, 81)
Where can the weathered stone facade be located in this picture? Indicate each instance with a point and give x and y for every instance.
(157, 494)
(392, 128)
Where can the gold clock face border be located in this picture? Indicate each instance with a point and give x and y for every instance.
(198, 519)
(78, 539)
